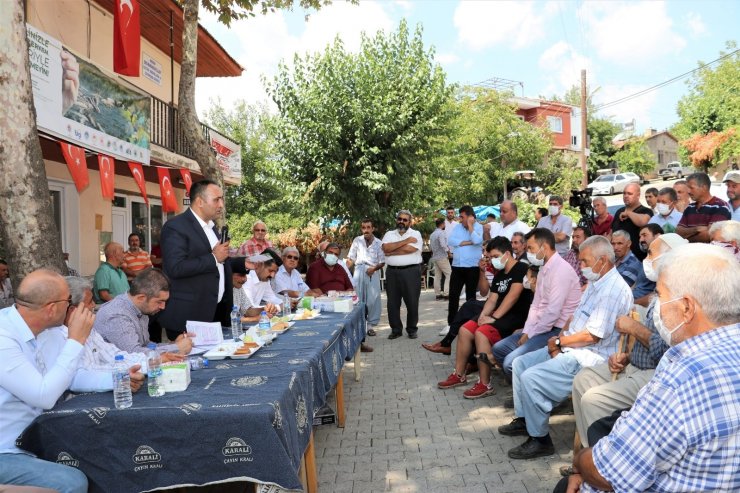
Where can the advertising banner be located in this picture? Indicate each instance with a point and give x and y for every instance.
(78, 102)
(228, 155)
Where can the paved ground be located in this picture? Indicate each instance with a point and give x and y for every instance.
(403, 434)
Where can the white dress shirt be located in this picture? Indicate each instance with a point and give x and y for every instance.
(213, 240)
(514, 227)
(409, 258)
(260, 292)
(95, 368)
(289, 282)
(28, 384)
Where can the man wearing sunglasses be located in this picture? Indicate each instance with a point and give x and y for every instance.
(257, 243)
(29, 383)
(288, 280)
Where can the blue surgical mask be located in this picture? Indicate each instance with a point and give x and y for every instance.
(534, 260)
(497, 262)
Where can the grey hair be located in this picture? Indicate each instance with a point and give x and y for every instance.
(599, 199)
(259, 221)
(404, 212)
(714, 279)
(77, 288)
(600, 247)
(289, 249)
(622, 234)
(730, 230)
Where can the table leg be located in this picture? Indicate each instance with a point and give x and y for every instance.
(309, 466)
(339, 395)
(357, 365)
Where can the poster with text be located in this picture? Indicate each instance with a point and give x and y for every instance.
(83, 104)
(228, 155)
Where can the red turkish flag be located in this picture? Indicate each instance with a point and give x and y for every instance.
(126, 37)
(75, 158)
(169, 202)
(187, 179)
(138, 173)
(107, 172)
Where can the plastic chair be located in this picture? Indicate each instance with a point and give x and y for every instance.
(431, 273)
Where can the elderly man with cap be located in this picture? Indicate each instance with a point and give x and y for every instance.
(288, 280)
(683, 431)
(732, 180)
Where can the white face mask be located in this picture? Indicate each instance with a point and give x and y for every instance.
(663, 209)
(665, 334)
(498, 263)
(331, 259)
(553, 210)
(525, 283)
(647, 267)
(533, 260)
(589, 273)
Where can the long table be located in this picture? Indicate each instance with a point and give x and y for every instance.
(239, 420)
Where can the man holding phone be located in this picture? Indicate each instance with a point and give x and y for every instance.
(194, 256)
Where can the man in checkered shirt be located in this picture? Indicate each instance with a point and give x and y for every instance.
(683, 432)
(543, 378)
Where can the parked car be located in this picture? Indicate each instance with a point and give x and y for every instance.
(675, 170)
(611, 184)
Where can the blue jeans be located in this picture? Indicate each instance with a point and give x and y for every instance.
(368, 291)
(26, 470)
(506, 350)
(540, 383)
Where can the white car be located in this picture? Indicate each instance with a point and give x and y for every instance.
(611, 184)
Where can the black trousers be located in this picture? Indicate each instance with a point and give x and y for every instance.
(403, 285)
(461, 276)
(470, 310)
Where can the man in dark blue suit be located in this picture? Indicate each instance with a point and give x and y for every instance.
(194, 260)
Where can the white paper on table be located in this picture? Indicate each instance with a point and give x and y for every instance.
(206, 333)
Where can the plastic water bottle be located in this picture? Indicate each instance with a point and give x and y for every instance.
(264, 323)
(154, 363)
(236, 323)
(286, 305)
(121, 384)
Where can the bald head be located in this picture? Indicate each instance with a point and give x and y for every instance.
(41, 287)
(631, 195)
(113, 253)
(508, 211)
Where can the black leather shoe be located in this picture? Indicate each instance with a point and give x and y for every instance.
(532, 449)
(394, 336)
(413, 336)
(518, 427)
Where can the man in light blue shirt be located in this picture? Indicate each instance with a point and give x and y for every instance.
(29, 384)
(560, 225)
(467, 243)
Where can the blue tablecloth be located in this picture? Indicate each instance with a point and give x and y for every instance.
(248, 419)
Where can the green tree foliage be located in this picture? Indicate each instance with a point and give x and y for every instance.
(601, 132)
(635, 157)
(561, 174)
(713, 104)
(356, 129)
(487, 145)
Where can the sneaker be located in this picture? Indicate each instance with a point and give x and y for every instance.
(454, 380)
(444, 330)
(479, 390)
(533, 448)
(518, 427)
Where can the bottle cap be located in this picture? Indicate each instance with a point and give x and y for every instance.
(119, 357)
(263, 312)
(152, 345)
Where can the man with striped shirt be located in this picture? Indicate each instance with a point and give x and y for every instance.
(703, 212)
(135, 259)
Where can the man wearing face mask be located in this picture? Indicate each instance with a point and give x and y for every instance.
(683, 431)
(666, 216)
(644, 287)
(325, 274)
(726, 234)
(560, 225)
(402, 249)
(544, 378)
(556, 298)
(595, 394)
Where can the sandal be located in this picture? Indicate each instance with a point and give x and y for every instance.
(566, 471)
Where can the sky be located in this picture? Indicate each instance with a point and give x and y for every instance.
(625, 47)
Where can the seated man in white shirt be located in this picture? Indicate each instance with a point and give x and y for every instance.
(258, 288)
(249, 312)
(29, 384)
(95, 370)
(288, 280)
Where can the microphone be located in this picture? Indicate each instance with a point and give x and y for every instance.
(225, 234)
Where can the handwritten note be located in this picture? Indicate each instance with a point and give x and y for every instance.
(206, 333)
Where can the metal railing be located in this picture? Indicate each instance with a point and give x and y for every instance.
(166, 131)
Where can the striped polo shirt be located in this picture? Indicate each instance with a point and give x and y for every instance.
(714, 210)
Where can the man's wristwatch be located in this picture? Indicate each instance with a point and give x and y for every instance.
(557, 344)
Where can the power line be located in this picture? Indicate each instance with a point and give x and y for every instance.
(662, 84)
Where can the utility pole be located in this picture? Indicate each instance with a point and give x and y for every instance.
(584, 165)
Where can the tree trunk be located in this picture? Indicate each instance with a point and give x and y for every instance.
(27, 224)
(186, 96)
